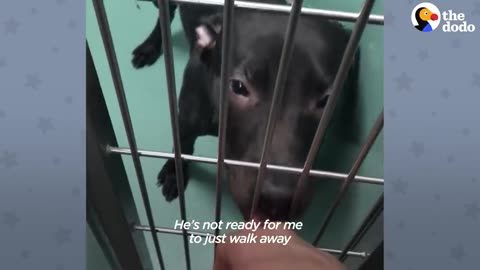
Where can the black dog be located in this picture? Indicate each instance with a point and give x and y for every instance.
(257, 43)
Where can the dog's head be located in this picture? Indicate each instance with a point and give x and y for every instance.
(257, 41)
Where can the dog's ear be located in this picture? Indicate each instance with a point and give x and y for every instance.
(209, 38)
(209, 32)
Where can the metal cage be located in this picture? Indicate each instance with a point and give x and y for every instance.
(110, 209)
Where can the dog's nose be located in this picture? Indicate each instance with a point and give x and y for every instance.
(275, 202)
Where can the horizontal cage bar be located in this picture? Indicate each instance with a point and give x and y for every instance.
(315, 173)
(205, 234)
(344, 16)
(374, 260)
(364, 227)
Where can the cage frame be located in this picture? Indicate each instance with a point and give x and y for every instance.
(118, 234)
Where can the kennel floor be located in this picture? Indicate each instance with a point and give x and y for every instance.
(146, 93)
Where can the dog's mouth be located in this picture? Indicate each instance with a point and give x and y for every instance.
(275, 212)
(274, 208)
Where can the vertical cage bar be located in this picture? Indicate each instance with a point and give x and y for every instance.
(369, 220)
(127, 121)
(228, 13)
(338, 83)
(279, 88)
(375, 131)
(100, 165)
(164, 19)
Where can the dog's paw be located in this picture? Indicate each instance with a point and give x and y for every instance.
(167, 179)
(146, 54)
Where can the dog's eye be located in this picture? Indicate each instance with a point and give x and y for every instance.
(239, 88)
(322, 102)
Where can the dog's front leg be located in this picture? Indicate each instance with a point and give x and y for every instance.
(167, 178)
(148, 52)
(195, 120)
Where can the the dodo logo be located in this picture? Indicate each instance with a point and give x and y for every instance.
(426, 17)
